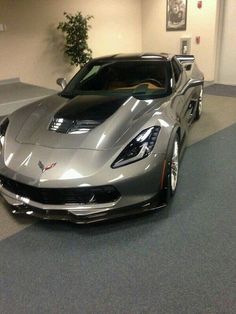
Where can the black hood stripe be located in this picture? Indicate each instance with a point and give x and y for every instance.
(85, 112)
(93, 107)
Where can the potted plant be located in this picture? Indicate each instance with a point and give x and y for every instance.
(75, 29)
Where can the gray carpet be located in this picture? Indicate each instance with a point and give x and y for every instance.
(178, 260)
(221, 90)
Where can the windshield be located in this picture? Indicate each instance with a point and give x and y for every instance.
(146, 78)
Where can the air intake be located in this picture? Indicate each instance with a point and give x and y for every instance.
(61, 196)
(67, 126)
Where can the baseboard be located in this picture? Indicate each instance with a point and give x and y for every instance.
(208, 83)
(225, 83)
(10, 81)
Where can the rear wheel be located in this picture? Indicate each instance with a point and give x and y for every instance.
(199, 105)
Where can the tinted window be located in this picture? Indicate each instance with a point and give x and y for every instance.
(124, 77)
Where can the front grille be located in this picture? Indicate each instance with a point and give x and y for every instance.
(60, 196)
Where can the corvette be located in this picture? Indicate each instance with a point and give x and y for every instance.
(108, 145)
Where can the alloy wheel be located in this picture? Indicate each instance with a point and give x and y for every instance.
(200, 102)
(174, 166)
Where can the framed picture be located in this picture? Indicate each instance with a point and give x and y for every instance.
(176, 15)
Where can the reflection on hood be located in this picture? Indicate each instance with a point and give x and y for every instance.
(83, 114)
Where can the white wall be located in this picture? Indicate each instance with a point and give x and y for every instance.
(200, 22)
(31, 46)
(227, 59)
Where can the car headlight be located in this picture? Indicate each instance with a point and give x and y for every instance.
(140, 147)
(3, 129)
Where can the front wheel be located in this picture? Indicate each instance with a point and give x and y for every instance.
(199, 105)
(173, 165)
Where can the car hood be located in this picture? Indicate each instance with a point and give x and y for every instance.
(108, 121)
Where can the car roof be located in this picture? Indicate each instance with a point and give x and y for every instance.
(136, 56)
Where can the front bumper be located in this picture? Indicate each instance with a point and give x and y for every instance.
(80, 214)
(138, 188)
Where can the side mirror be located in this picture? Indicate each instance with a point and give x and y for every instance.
(61, 82)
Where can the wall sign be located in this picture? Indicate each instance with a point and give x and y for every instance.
(176, 15)
(199, 4)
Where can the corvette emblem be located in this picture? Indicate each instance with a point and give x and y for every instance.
(45, 168)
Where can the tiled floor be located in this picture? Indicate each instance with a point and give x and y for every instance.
(18, 94)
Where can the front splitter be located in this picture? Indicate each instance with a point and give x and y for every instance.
(65, 215)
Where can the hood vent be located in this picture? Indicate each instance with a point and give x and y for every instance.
(67, 126)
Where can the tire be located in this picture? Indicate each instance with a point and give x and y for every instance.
(173, 167)
(199, 105)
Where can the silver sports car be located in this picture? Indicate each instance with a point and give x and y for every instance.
(108, 145)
